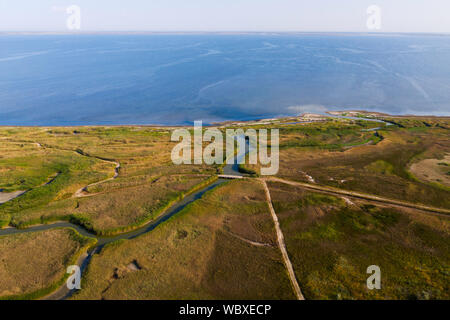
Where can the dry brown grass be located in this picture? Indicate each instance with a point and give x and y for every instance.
(126, 206)
(33, 261)
(196, 254)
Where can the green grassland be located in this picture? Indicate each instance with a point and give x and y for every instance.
(201, 253)
(331, 135)
(223, 246)
(331, 244)
(381, 169)
(53, 163)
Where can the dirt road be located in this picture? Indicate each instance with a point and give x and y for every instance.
(340, 192)
(282, 245)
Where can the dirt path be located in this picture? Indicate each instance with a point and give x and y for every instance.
(80, 192)
(253, 243)
(282, 245)
(340, 192)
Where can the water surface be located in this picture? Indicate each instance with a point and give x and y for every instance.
(176, 79)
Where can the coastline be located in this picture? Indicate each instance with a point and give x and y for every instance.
(329, 113)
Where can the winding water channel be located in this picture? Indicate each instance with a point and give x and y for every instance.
(63, 292)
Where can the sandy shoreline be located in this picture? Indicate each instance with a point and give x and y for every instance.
(6, 196)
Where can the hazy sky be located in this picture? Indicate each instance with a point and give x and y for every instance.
(226, 15)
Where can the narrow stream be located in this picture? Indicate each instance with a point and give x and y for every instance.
(63, 292)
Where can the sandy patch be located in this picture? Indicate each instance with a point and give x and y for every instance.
(433, 170)
(6, 196)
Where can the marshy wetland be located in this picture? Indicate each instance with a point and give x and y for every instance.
(165, 231)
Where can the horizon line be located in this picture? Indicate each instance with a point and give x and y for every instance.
(87, 32)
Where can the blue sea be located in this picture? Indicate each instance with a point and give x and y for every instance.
(176, 79)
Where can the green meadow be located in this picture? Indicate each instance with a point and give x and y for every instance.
(111, 180)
